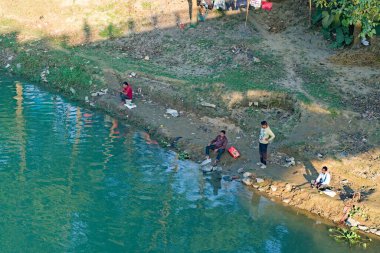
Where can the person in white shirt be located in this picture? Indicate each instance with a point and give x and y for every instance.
(266, 137)
(323, 180)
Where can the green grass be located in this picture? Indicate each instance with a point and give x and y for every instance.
(146, 5)
(66, 70)
(317, 84)
(111, 32)
(303, 98)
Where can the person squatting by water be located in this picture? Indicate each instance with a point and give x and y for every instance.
(323, 179)
(266, 137)
(219, 145)
(126, 93)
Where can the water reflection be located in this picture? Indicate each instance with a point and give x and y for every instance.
(20, 133)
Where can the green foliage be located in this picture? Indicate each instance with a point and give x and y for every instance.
(183, 155)
(353, 12)
(111, 32)
(358, 211)
(349, 236)
(146, 5)
(333, 28)
(65, 70)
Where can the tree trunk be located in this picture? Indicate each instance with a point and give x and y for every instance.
(357, 30)
(193, 11)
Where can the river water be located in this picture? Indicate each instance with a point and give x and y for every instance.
(73, 180)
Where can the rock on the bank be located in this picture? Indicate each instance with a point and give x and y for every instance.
(247, 174)
(259, 180)
(273, 188)
(353, 223)
(288, 187)
(247, 181)
(286, 201)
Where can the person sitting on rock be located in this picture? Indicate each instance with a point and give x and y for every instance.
(323, 180)
(219, 145)
(126, 93)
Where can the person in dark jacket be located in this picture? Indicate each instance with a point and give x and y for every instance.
(219, 145)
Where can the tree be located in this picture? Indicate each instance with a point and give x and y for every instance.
(364, 15)
(193, 11)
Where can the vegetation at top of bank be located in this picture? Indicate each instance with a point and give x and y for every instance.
(338, 17)
(38, 62)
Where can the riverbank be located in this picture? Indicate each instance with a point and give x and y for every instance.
(247, 74)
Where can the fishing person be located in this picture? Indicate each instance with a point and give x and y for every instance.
(323, 179)
(219, 145)
(126, 93)
(266, 137)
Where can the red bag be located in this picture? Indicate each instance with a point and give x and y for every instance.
(266, 6)
(233, 152)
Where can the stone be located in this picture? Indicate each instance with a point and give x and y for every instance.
(257, 60)
(218, 168)
(133, 74)
(205, 104)
(207, 168)
(95, 94)
(7, 66)
(377, 232)
(288, 187)
(351, 222)
(146, 58)
(247, 174)
(250, 104)
(18, 65)
(247, 181)
(172, 112)
(292, 163)
(256, 186)
(72, 90)
(273, 188)
(290, 159)
(259, 180)
(261, 189)
(373, 230)
(319, 155)
(344, 181)
(86, 99)
(241, 170)
(256, 103)
(286, 201)
(363, 228)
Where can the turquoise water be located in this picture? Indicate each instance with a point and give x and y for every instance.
(72, 180)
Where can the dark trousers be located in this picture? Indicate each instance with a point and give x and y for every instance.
(263, 148)
(212, 147)
(123, 97)
(230, 4)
